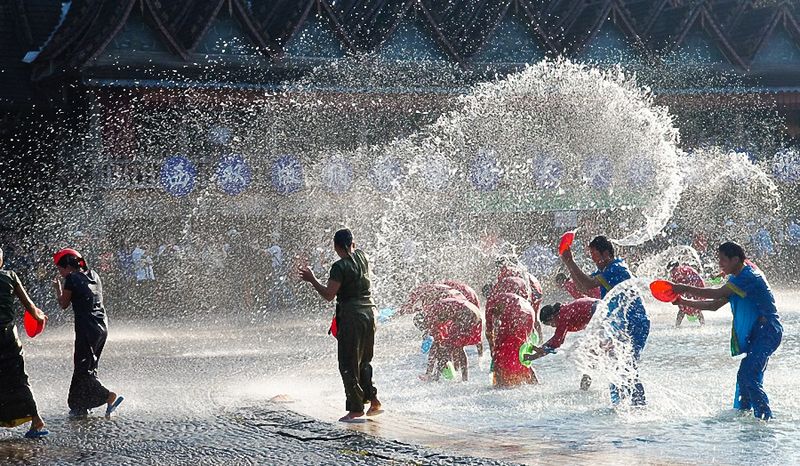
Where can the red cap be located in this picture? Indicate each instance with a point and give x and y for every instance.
(68, 252)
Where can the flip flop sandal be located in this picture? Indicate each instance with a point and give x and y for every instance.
(114, 405)
(36, 433)
(352, 420)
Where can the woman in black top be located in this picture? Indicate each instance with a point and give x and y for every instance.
(17, 405)
(349, 283)
(84, 291)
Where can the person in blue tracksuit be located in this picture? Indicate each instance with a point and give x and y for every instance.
(625, 309)
(756, 330)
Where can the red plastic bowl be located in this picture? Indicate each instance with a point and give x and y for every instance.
(566, 241)
(662, 291)
(32, 326)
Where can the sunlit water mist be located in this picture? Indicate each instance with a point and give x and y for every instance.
(655, 265)
(439, 201)
(727, 195)
(557, 136)
(554, 136)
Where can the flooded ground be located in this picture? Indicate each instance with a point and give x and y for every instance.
(198, 391)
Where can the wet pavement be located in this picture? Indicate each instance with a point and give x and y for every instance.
(202, 390)
(267, 434)
(198, 392)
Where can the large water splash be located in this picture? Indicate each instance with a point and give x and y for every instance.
(556, 136)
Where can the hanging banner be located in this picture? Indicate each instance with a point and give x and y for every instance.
(436, 173)
(233, 174)
(485, 170)
(786, 166)
(641, 173)
(287, 174)
(386, 174)
(337, 175)
(178, 175)
(546, 172)
(597, 172)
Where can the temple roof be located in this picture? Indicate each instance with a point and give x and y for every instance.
(90, 38)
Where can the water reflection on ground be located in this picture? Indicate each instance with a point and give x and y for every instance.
(199, 391)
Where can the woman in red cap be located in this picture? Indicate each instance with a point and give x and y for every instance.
(83, 290)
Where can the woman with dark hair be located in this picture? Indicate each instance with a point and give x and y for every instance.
(17, 405)
(756, 331)
(83, 290)
(349, 283)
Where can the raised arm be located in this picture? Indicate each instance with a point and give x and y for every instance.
(63, 296)
(584, 282)
(328, 292)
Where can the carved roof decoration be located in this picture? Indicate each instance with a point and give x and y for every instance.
(459, 30)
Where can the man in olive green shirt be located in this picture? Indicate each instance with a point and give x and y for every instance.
(349, 283)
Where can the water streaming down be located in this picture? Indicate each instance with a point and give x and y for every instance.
(556, 136)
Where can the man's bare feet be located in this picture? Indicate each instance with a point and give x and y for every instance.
(374, 408)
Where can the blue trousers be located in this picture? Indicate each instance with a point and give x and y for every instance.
(764, 340)
(638, 329)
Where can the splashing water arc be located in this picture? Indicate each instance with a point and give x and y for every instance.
(556, 136)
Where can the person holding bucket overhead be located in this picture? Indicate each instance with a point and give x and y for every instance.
(349, 283)
(83, 290)
(627, 313)
(17, 405)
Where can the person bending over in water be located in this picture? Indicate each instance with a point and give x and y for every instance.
(570, 317)
(17, 405)
(686, 275)
(568, 285)
(349, 282)
(509, 321)
(756, 329)
(453, 322)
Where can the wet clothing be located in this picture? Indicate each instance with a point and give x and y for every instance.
(572, 317)
(751, 299)
(629, 318)
(571, 288)
(17, 405)
(426, 294)
(757, 331)
(91, 330)
(8, 283)
(687, 275)
(465, 289)
(533, 287)
(509, 321)
(764, 340)
(355, 320)
(456, 322)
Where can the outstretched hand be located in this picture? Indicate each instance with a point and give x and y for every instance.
(306, 274)
(538, 353)
(567, 255)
